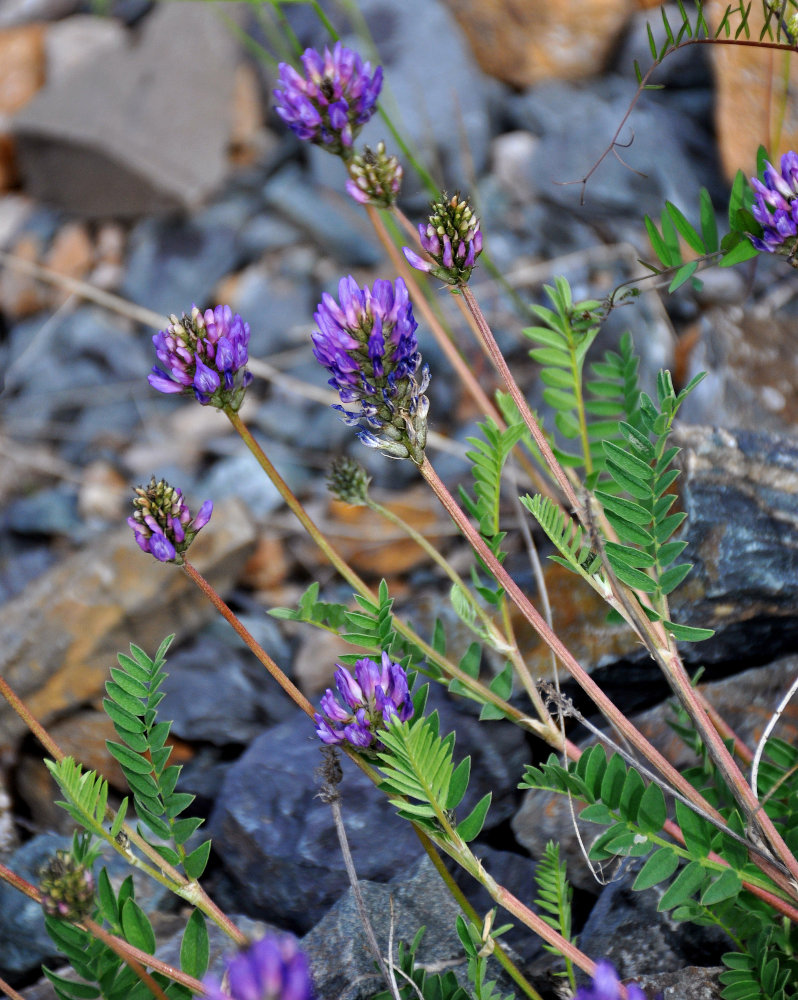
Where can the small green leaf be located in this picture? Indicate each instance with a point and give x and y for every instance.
(672, 577)
(696, 831)
(685, 230)
(195, 948)
(613, 781)
(727, 885)
(137, 928)
(683, 274)
(128, 758)
(458, 784)
(687, 633)
(119, 819)
(471, 826)
(686, 883)
(744, 250)
(194, 863)
(597, 812)
(81, 991)
(652, 811)
(659, 867)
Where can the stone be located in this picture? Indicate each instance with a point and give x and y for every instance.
(59, 637)
(342, 965)
(752, 102)
(8, 833)
(71, 254)
(22, 65)
(752, 371)
(277, 840)
(15, 12)
(522, 44)
(166, 107)
(76, 41)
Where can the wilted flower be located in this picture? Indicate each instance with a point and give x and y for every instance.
(453, 240)
(67, 888)
(371, 698)
(336, 97)
(272, 968)
(374, 177)
(162, 521)
(368, 344)
(204, 355)
(776, 208)
(348, 481)
(605, 985)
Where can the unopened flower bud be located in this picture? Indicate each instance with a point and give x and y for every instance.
(374, 177)
(348, 481)
(452, 238)
(67, 888)
(162, 522)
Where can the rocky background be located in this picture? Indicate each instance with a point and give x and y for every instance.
(138, 153)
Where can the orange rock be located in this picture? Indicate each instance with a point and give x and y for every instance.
(523, 43)
(268, 564)
(71, 254)
(374, 546)
(22, 65)
(754, 106)
(247, 117)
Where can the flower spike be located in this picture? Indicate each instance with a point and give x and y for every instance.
(377, 693)
(162, 522)
(204, 355)
(67, 888)
(605, 985)
(367, 342)
(776, 208)
(452, 238)
(333, 100)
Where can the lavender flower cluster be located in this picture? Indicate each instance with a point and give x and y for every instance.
(272, 968)
(162, 522)
(204, 354)
(776, 207)
(376, 694)
(605, 986)
(331, 103)
(367, 342)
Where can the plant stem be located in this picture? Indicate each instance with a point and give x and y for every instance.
(285, 682)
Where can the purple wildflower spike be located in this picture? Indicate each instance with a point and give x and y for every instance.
(272, 968)
(374, 177)
(377, 693)
(776, 208)
(367, 342)
(332, 101)
(605, 985)
(204, 355)
(162, 522)
(451, 238)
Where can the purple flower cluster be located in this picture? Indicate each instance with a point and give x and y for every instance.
(336, 97)
(605, 986)
(162, 522)
(367, 342)
(376, 694)
(272, 968)
(67, 888)
(204, 354)
(776, 207)
(452, 238)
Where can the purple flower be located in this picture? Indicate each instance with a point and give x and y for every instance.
(605, 986)
(162, 522)
(776, 208)
(272, 968)
(332, 101)
(452, 239)
(374, 177)
(204, 355)
(377, 693)
(368, 344)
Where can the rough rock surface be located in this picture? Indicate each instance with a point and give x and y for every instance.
(141, 128)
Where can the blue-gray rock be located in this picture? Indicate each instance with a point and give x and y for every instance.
(277, 840)
(50, 511)
(220, 694)
(142, 128)
(342, 965)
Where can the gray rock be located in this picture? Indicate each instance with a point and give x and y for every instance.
(75, 41)
(13, 12)
(277, 840)
(52, 511)
(626, 928)
(342, 965)
(205, 709)
(139, 129)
